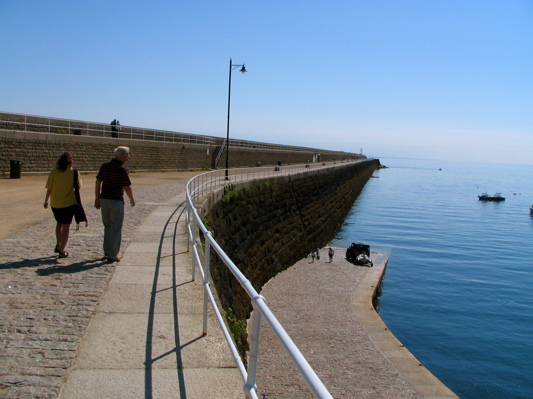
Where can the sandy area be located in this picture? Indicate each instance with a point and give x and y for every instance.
(21, 200)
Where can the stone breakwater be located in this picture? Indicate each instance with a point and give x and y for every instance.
(267, 227)
(39, 152)
(46, 303)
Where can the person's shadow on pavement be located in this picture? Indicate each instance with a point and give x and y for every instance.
(72, 268)
(54, 266)
(49, 260)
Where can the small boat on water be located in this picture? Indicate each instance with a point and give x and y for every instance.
(531, 209)
(486, 197)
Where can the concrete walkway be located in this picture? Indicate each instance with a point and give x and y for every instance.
(81, 327)
(145, 338)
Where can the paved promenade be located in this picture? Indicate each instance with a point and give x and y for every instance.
(82, 328)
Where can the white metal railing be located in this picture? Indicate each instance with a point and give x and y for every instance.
(33, 123)
(199, 186)
(209, 181)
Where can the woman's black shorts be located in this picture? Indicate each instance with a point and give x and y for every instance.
(64, 215)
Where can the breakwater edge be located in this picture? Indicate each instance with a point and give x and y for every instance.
(457, 283)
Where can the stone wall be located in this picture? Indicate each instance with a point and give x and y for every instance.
(40, 151)
(270, 225)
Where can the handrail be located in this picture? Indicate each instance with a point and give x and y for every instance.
(219, 155)
(34, 123)
(207, 181)
(199, 186)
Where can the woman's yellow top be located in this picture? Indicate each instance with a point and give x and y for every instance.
(61, 186)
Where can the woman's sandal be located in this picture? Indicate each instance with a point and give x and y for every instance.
(63, 255)
(56, 249)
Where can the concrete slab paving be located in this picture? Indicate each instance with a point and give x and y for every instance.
(145, 338)
(127, 298)
(150, 247)
(130, 341)
(128, 384)
(140, 274)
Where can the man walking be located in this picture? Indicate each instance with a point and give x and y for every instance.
(111, 182)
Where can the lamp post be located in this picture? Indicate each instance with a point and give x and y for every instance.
(243, 71)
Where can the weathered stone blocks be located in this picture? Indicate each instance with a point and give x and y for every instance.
(39, 152)
(268, 227)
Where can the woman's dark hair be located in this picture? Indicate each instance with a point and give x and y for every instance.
(64, 161)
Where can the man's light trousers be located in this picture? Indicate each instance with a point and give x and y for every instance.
(112, 218)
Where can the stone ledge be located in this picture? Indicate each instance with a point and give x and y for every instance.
(408, 366)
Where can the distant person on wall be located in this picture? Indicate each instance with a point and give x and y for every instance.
(117, 127)
(60, 191)
(114, 128)
(111, 182)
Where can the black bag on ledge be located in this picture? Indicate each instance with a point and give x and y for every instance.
(79, 213)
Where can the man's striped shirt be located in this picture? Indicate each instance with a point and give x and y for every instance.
(114, 177)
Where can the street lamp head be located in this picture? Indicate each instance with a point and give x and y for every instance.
(243, 69)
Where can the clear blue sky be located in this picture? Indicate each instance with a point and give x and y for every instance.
(439, 79)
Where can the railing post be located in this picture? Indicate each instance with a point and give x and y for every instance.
(194, 246)
(188, 224)
(206, 279)
(195, 183)
(254, 347)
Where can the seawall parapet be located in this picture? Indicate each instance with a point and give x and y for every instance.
(39, 151)
(267, 225)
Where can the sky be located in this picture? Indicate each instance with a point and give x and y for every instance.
(437, 79)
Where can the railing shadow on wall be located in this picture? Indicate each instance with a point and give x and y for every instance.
(198, 187)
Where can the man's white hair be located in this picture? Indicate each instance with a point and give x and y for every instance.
(121, 150)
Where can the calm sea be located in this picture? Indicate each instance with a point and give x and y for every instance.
(458, 290)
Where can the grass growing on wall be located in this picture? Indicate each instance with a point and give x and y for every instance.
(230, 193)
(238, 329)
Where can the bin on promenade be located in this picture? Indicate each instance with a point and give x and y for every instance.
(15, 169)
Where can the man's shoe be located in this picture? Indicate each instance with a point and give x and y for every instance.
(111, 260)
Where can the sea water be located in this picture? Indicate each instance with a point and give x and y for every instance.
(458, 289)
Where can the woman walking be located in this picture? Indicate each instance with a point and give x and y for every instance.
(60, 191)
